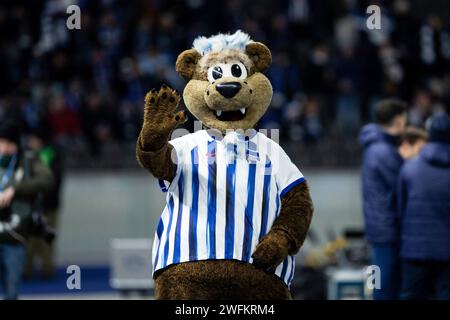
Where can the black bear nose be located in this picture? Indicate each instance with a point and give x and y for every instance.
(228, 89)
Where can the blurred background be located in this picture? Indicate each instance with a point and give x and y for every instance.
(82, 91)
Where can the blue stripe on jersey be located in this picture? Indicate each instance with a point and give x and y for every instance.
(251, 153)
(162, 185)
(212, 199)
(284, 270)
(277, 203)
(266, 198)
(291, 275)
(230, 184)
(194, 207)
(169, 226)
(176, 250)
(159, 231)
(248, 226)
(290, 186)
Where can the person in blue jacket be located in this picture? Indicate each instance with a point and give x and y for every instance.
(424, 212)
(380, 169)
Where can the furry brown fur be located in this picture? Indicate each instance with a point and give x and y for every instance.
(288, 231)
(255, 96)
(187, 64)
(222, 279)
(225, 56)
(202, 99)
(260, 55)
(152, 149)
(218, 280)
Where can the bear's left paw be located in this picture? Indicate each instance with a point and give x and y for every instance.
(271, 251)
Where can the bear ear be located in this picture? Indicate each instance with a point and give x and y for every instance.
(187, 62)
(260, 55)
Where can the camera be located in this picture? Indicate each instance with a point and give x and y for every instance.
(40, 228)
(35, 223)
(5, 213)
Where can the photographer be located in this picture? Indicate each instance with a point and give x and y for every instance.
(41, 246)
(22, 178)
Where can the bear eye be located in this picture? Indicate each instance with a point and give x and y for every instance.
(236, 70)
(215, 73)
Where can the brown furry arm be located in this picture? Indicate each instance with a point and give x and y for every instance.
(288, 231)
(153, 150)
(158, 162)
(295, 216)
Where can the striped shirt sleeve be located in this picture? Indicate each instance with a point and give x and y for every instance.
(287, 173)
(178, 145)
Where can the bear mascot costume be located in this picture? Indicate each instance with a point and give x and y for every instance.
(238, 209)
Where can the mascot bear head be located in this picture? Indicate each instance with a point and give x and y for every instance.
(226, 88)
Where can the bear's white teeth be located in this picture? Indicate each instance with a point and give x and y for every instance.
(218, 112)
(242, 110)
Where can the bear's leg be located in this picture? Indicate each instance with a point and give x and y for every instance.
(218, 280)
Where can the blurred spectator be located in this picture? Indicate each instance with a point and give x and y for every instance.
(421, 108)
(64, 123)
(284, 75)
(37, 247)
(101, 71)
(17, 196)
(411, 142)
(424, 210)
(319, 71)
(129, 120)
(312, 120)
(109, 35)
(434, 45)
(96, 121)
(380, 168)
(349, 81)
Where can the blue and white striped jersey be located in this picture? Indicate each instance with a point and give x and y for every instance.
(224, 198)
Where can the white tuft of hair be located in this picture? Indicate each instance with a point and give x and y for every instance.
(221, 41)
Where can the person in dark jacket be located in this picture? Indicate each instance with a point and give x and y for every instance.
(380, 168)
(21, 179)
(424, 212)
(38, 247)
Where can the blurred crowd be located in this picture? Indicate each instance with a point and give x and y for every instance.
(87, 86)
